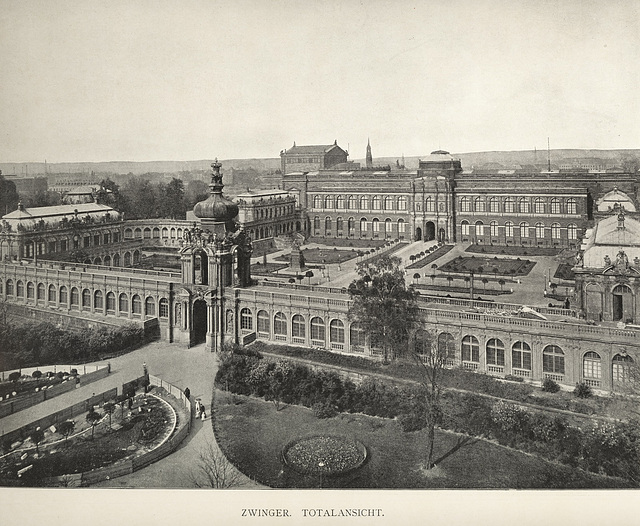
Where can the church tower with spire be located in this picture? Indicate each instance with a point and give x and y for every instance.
(369, 157)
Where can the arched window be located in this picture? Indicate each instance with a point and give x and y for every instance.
(317, 329)
(538, 205)
(111, 302)
(173, 233)
(553, 360)
(340, 202)
(156, 233)
(75, 297)
(107, 261)
(136, 304)
(128, 233)
(447, 346)
(246, 319)
(116, 260)
(328, 202)
(19, 289)
(280, 324)
(356, 337)
(555, 231)
(317, 201)
(465, 204)
(363, 224)
(494, 205)
(327, 225)
(429, 205)
(622, 368)
(351, 226)
(509, 205)
(127, 259)
(41, 291)
(163, 308)
(402, 203)
(375, 226)
(479, 228)
(402, 227)
(376, 202)
(339, 224)
(572, 231)
(86, 298)
(352, 203)
(149, 306)
(52, 293)
(263, 322)
(63, 294)
(464, 227)
(539, 230)
(508, 229)
(524, 229)
(521, 356)
(364, 202)
(388, 202)
(495, 352)
(592, 366)
(165, 233)
(316, 225)
(523, 205)
(388, 225)
(298, 329)
(493, 228)
(571, 206)
(31, 290)
(422, 344)
(137, 233)
(470, 349)
(123, 303)
(555, 206)
(336, 331)
(98, 300)
(479, 204)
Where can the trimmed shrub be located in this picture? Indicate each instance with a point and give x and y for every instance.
(582, 390)
(550, 386)
(412, 421)
(324, 410)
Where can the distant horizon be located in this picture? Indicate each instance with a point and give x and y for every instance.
(351, 158)
(91, 80)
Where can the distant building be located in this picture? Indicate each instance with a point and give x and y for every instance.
(315, 157)
(28, 186)
(63, 183)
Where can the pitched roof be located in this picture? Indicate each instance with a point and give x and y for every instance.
(312, 149)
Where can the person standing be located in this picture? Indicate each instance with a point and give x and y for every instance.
(197, 408)
(203, 413)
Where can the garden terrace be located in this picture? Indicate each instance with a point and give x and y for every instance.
(488, 266)
(422, 261)
(514, 250)
(323, 255)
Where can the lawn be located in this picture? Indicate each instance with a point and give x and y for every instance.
(495, 265)
(565, 271)
(253, 434)
(323, 255)
(348, 242)
(514, 251)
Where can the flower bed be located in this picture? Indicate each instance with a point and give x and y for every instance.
(324, 455)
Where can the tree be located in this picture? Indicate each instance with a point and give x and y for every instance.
(37, 375)
(121, 400)
(37, 436)
(416, 277)
(109, 408)
(93, 419)
(213, 470)
(8, 196)
(65, 428)
(109, 194)
(309, 274)
(14, 376)
(502, 283)
(484, 282)
(382, 303)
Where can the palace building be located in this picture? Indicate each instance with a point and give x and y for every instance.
(75, 265)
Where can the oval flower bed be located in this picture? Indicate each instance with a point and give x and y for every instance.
(324, 455)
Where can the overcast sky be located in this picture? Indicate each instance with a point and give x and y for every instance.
(182, 80)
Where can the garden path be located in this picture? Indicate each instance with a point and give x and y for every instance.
(193, 368)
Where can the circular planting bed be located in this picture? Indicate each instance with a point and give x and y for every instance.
(324, 455)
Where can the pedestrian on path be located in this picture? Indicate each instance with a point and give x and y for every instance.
(203, 414)
(197, 408)
(187, 393)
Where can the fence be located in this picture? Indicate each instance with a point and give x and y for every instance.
(126, 466)
(13, 406)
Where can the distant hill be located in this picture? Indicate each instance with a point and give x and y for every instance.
(469, 160)
(509, 158)
(137, 168)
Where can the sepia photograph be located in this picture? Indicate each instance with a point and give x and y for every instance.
(284, 262)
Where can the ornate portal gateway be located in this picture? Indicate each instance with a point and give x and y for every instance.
(215, 256)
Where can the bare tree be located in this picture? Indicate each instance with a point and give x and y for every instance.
(213, 470)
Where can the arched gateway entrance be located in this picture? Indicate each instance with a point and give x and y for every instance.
(429, 231)
(199, 321)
